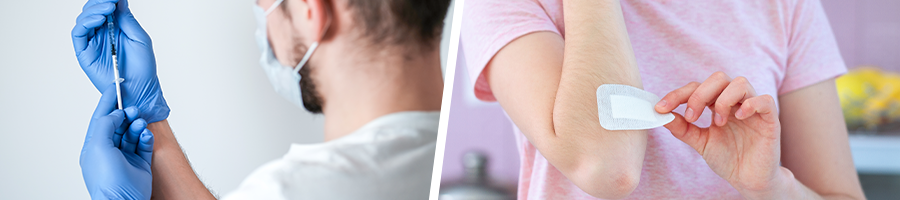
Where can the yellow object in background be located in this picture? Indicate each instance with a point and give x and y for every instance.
(869, 97)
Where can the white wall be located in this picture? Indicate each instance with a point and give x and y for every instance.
(225, 114)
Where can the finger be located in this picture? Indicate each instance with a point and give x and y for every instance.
(129, 25)
(763, 105)
(88, 21)
(103, 129)
(87, 24)
(132, 113)
(705, 95)
(133, 136)
(95, 2)
(101, 9)
(676, 97)
(688, 133)
(737, 91)
(82, 30)
(107, 102)
(120, 133)
(145, 147)
(117, 137)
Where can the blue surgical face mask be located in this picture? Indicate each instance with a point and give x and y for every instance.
(285, 79)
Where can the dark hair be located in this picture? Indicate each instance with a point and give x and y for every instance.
(401, 22)
(312, 101)
(416, 23)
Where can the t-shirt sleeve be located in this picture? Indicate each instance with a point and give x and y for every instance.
(488, 25)
(814, 54)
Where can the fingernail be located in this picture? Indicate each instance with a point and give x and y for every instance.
(718, 118)
(689, 113)
(739, 113)
(139, 122)
(661, 104)
(131, 109)
(146, 136)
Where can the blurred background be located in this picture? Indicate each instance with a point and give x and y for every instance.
(481, 147)
(225, 114)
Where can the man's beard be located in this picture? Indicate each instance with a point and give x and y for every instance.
(312, 101)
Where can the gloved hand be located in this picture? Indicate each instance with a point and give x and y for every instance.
(137, 65)
(115, 160)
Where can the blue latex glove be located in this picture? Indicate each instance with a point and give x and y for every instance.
(116, 164)
(137, 64)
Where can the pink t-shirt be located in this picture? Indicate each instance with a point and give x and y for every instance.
(779, 45)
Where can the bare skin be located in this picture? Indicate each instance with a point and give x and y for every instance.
(173, 177)
(357, 81)
(744, 145)
(546, 85)
(815, 147)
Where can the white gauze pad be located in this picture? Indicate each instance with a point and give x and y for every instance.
(623, 107)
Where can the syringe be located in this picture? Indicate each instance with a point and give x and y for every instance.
(112, 44)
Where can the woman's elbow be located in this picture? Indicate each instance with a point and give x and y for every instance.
(609, 183)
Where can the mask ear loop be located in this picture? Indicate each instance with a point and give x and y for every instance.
(273, 6)
(305, 58)
(314, 45)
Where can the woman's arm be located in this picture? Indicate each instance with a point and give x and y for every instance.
(173, 177)
(547, 86)
(814, 142)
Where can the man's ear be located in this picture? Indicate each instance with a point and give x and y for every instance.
(319, 17)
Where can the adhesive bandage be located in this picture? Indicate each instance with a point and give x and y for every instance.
(623, 107)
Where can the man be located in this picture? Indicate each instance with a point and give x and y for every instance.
(372, 68)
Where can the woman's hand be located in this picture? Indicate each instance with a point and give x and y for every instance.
(743, 144)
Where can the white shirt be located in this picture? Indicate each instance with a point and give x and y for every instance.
(390, 157)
